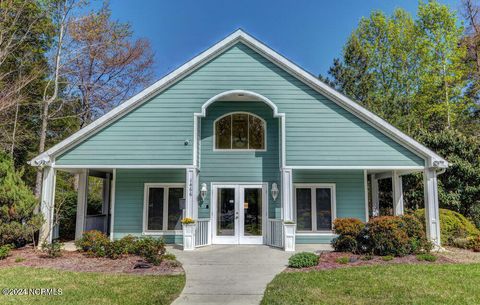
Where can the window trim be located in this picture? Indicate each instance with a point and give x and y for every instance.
(165, 186)
(313, 187)
(231, 130)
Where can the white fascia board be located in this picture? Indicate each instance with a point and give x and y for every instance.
(433, 159)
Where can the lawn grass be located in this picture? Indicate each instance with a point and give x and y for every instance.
(90, 288)
(392, 284)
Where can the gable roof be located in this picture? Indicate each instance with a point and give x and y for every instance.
(433, 159)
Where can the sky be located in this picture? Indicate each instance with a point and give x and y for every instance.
(310, 33)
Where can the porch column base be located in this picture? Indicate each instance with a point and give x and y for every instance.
(189, 236)
(289, 230)
(432, 216)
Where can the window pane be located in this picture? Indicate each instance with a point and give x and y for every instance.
(174, 211)
(223, 129)
(155, 209)
(240, 131)
(252, 212)
(256, 133)
(226, 212)
(324, 209)
(304, 209)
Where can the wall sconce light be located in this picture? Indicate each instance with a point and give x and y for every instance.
(203, 191)
(274, 191)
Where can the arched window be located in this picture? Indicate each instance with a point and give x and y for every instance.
(243, 131)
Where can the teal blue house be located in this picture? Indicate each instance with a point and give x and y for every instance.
(246, 143)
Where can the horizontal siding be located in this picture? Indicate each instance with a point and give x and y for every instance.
(231, 166)
(314, 239)
(318, 131)
(349, 186)
(129, 191)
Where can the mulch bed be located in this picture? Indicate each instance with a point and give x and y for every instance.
(77, 261)
(328, 261)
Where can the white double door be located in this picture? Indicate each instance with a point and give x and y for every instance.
(239, 213)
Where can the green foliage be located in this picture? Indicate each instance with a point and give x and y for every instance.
(387, 235)
(303, 260)
(94, 243)
(170, 257)
(453, 226)
(151, 249)
(53, 249)
(342, 260)
(18, 222)
(347, 230)
(5, 251)
(387, 258)
(19, 259)
(426, 257)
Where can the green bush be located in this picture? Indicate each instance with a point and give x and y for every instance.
(426, 257)
(347, 230)
(5, 251)
(128, 243)
(387, 258)
(151, 249)
(94, 243)
(303, 260)
(453, 225)
(18, 222)
(342, 260)
(53, 249)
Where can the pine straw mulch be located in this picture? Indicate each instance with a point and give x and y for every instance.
(79, 262)
(328, 260)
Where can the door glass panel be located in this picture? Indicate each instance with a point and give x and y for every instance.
(252, 207)
(155, 208)
(240, 131)
(174, 211)
(324, 208)
(304, 209)
(226, 212)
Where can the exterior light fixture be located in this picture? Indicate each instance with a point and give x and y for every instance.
(274, 191)
(203, 191)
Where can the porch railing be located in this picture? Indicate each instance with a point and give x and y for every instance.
(202, 232)
(96, 222)
(275, 233)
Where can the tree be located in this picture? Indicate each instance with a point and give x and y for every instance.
(110, 66)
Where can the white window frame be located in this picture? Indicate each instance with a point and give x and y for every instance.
(313, 187)
(231, 133)
(166, 187)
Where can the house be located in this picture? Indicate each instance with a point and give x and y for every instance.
(246, 143)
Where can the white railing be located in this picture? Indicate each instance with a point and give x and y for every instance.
(202, 232)
(275, 233)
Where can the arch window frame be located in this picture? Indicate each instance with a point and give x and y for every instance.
(231, 114)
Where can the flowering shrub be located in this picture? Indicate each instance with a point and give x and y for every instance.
(348, 230)
(94, 243)
(187, 220)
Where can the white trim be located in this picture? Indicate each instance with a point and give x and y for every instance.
(434, 160)
(112, 198)
(313, 187)
(231, 133)
(166, 187)
(365, 184)
(368, 167)
(133, 166)
(304, 233)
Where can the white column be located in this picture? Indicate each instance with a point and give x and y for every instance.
(432, 218)
(106, 200)
(287, 191)
(47, 204)
(81, 203)
(189, 192)
(397, 194)
(375, 198)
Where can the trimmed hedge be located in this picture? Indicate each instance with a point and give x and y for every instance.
(386, 235)
(454, 227)
(303, 260)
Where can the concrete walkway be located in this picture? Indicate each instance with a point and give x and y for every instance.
(230, 274)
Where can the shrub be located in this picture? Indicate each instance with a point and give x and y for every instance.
(342, 260)
(115, 249)
(474, 243)
(303, 260)
(53, 249)
(348, 230)
(151, 249)
(426, 257)
(94, 243)
(453, 225)
(5, 251)
(387, 258)
(387, 236)
(129, 244)
(170, 257)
